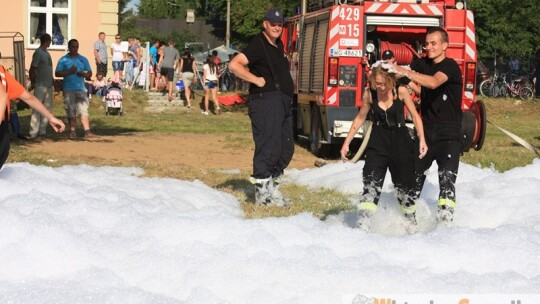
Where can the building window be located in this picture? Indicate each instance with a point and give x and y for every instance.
(52, 17)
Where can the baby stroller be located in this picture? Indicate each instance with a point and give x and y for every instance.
(113, 100)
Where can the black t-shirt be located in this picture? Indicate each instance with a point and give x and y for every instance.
(187, 65)
(442, 104)
(258, 65)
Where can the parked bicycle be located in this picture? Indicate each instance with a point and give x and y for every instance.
(227, 79)
(229, 83)
(499, 86)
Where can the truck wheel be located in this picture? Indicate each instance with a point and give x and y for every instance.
(479, 110)
(316, 132)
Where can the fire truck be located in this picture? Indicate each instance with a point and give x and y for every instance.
(331, 44)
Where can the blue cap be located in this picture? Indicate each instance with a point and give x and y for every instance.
(274, 15)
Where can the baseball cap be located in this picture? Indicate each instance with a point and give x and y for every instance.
(387, 55)
(274, 15)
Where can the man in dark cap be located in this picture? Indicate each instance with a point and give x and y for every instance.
(388, 56)
(270, 98)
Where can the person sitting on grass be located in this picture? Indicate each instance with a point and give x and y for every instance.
(98, 87)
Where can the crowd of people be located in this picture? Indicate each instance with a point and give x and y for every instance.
(407, 154)
(165, 68)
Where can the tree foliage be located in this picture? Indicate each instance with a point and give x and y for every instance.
(167, 9)
(121, 7)
(506, 27)
(246, 16)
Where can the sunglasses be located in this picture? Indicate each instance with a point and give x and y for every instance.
(276, 24)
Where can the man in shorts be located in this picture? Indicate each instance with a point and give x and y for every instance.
(75, 69)
(168, 62)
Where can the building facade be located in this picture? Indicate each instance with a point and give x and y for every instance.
(25, 20)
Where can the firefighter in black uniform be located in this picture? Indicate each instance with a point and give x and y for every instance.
(442, 85)
(390, 146)
(264, 65)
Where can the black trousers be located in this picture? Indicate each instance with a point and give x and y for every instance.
(395, 150)
(444, 147)
(101, 68)
(271, 123)
(4, 142)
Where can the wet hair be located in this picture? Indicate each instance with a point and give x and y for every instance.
(213, 66)
(436, 29)
(379, 71)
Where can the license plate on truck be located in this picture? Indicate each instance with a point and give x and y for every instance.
(345, 53)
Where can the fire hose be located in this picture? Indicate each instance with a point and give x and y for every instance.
(369, 124)
(518, 139)
(365, 140)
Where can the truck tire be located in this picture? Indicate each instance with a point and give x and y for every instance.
(481, 123)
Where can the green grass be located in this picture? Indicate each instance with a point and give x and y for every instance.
(172, 120)
(499, 151)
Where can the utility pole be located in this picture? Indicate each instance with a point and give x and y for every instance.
(228, 29)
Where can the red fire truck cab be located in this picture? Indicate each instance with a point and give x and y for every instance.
(331, 44)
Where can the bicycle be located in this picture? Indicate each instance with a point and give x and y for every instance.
(227, 80)
(498, 86)
(489, 87)
(516, 88)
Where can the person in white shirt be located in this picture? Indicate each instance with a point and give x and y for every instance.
(210, 80)
(118, 56)
(98, 87)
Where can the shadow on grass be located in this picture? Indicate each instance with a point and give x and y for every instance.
(103, 129)
(338, 210)
(241, 185)
(329, 152)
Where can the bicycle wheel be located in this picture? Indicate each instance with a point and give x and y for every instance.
(525, 93)
(485, 87)
(497, 90)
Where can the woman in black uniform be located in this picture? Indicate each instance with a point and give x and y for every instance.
(390, 146)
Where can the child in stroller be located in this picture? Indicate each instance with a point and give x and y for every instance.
(113, 98)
